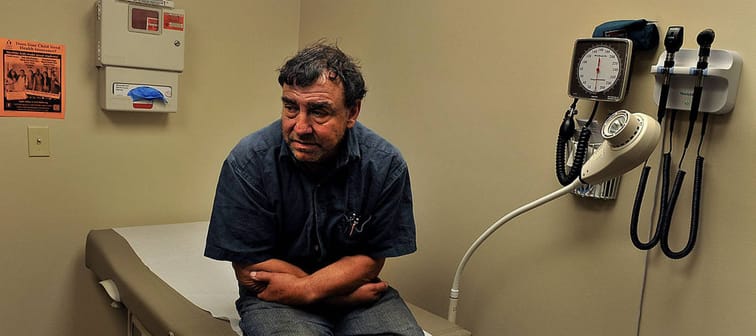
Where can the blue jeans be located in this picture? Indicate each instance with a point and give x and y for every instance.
(388, 316)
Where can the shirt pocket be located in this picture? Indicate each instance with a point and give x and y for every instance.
(355, 226)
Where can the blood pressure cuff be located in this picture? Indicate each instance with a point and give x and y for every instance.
(644, 34)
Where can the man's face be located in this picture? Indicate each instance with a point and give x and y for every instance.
(314, 119)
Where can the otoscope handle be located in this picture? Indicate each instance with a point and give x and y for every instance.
(705, 38)
(663, 99)
(694, 106)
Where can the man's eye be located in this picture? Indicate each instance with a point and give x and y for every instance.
(319, 113)
(290, 110)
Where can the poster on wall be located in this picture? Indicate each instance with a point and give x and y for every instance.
(33, 79)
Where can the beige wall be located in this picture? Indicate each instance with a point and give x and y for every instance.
(472, 92)
(119, 169)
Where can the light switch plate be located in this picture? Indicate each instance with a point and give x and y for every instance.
(39, 141)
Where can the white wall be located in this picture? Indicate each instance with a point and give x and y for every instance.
(112, 169)
(473, 93)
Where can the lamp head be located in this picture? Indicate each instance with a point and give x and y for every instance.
(629, 139)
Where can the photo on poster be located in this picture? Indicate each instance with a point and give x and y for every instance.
(33, 79)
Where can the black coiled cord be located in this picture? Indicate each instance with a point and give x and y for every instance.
(566, 131)
(577, 162)
(636, 210)
(660, 223)
(695, 210)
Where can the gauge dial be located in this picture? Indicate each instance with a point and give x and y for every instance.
(600, 69)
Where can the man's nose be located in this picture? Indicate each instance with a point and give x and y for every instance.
(303, 123)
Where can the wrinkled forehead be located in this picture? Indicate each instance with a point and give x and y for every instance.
(323, 91)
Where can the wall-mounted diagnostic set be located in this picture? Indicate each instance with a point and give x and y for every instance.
(140, 54)
(599, 72)
(680, 78)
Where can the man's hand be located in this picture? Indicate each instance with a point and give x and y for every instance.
(244, 278)
(282, 288)
(272, 265)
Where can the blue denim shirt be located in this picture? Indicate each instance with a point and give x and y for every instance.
(267, 207)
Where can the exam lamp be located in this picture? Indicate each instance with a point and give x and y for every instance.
(629, 139)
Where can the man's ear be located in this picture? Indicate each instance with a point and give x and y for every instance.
(353, 113)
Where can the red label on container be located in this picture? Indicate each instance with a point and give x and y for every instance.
(173, 21)
(146, 106)
(153, 24)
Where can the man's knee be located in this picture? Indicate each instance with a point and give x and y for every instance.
(389, 316)
(260, 318)
(282, 328)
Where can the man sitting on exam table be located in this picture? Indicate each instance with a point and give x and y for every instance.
(308, 208)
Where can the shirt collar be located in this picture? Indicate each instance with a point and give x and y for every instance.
(351, 150)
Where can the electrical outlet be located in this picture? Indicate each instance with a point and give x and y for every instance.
(39, 141)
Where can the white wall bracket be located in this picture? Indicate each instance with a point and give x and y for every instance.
(720, 84)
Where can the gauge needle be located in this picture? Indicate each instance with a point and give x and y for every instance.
(598, 69)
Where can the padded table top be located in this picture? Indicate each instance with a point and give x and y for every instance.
(161, 308)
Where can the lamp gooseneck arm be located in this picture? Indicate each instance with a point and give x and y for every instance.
(454, 294)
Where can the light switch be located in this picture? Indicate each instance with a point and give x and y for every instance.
(39, 140)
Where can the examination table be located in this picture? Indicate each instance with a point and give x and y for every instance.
(158, 273)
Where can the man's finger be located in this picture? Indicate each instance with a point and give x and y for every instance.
(259, 276)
